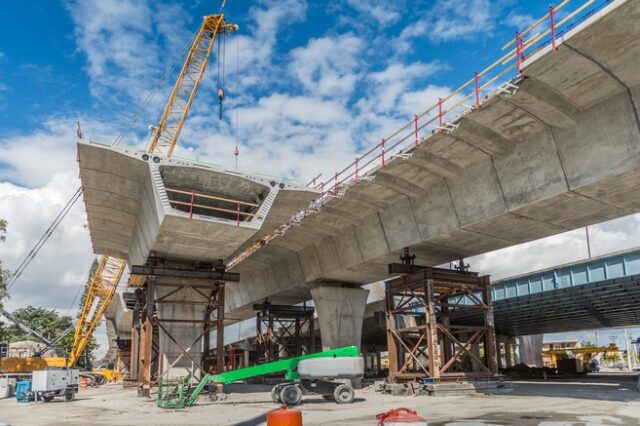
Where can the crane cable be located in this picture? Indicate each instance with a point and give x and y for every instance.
(43, 239)
(236, 151)
(154, 92)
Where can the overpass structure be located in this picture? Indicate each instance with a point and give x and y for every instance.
(553, 149)
(597, 293)
(603, 292)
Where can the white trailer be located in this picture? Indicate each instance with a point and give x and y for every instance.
(47, 384)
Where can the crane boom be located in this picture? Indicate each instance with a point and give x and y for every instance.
(166, 133)
(100, 291)
(25, 328)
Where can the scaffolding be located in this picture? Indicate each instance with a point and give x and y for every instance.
(423, 338)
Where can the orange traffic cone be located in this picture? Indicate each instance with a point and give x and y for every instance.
(284, 416)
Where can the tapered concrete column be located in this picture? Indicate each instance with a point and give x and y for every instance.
(530, 349)
(340, 314)
(507, 353)
(176, 337)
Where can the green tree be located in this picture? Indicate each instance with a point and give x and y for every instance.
(4, 273)
(51, 325)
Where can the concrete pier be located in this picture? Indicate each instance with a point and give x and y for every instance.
(176, 336)
(530, 350)
(340, 314)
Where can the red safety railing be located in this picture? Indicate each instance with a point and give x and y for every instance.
(193, 203)
(482, 86)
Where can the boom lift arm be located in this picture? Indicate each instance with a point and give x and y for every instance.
(169, 397)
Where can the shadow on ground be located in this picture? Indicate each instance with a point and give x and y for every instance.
(596, 387)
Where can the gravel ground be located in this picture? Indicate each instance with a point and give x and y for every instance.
(591, 401)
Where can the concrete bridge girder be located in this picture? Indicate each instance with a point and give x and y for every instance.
(526, 160)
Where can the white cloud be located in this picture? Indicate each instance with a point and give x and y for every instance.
(257, 48)
(121, 40)
(449, 20)
(384, 14)
(518, 21)
(418, 101)
(327, 66)
(389, 89)
(295, 136)
(59, 270)
(32, 159)
(607, 237)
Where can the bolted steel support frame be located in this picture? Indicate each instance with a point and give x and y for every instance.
(284, 331)
(215, 306)
(424, 340)
(144, 340)
(194, 283)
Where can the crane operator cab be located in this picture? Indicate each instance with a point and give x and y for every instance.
(329, 377)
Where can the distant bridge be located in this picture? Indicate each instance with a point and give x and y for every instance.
(603, 292)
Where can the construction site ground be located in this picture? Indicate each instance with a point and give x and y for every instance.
(596, 400)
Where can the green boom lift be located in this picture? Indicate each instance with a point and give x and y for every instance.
(341, 364)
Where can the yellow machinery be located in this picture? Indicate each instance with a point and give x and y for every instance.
(99, 294)
(165, 136)
(588, 354)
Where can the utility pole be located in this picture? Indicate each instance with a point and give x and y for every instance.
(586, 231)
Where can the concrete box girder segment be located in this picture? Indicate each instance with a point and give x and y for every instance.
(559, 150)
(136, 206)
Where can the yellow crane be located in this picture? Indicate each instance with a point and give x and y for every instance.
(104, 283)
(588, 353)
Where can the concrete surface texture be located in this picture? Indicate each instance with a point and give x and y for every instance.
(135, 206)
(605, 401)
(118, 323)
(340, 314)
(559, 152)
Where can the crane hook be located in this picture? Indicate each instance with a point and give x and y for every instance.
(220, 99)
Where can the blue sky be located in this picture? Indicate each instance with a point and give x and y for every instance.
(316, 83)
(96, 61)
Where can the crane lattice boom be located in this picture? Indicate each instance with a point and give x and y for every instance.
(165, 135)
(99, 294)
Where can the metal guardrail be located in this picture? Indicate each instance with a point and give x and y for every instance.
(483, 86)
(194, 196)
(405, 139)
